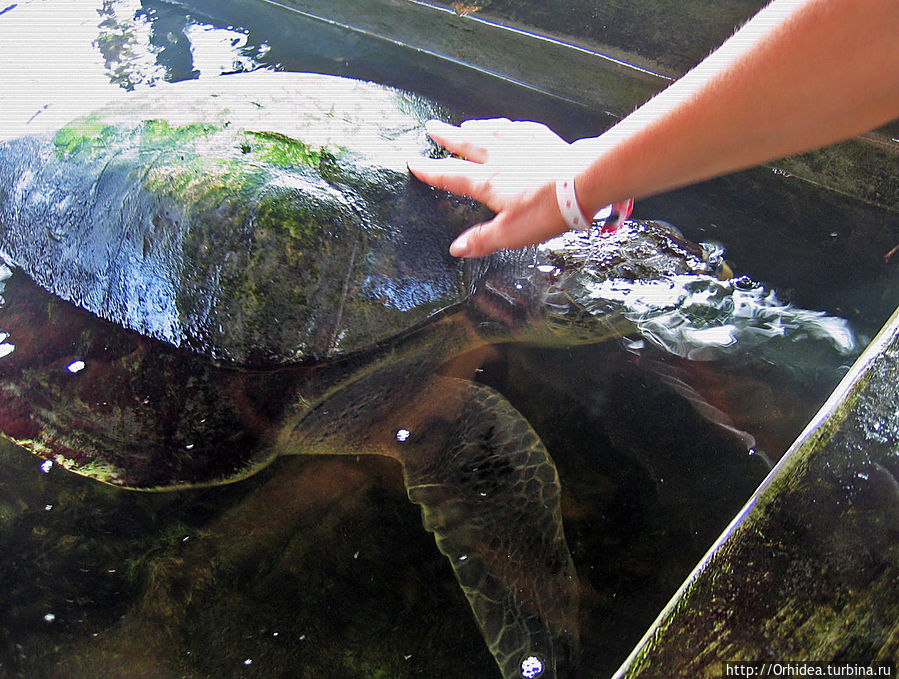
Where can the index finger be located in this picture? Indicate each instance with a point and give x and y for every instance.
(468, 140)
(454, 175)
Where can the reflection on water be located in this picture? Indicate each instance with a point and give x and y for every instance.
(126, 41)
(50, 67)
(62, 59)
(318, 566)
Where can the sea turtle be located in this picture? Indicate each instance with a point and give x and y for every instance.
(294, 283)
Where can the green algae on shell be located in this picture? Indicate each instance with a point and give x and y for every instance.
(252, 218)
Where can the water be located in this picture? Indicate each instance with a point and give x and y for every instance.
(319, 567)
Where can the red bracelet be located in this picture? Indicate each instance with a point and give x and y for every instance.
(620, 212)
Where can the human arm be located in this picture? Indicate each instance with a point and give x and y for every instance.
(799, 75)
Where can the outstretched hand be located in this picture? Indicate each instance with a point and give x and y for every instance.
(705, 124)
(511, 168)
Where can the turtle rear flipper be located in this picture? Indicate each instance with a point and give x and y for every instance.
(490, 494)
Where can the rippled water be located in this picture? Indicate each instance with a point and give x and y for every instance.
(319, 567)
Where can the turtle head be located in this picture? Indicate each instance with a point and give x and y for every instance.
(646, 278)
(583, 282)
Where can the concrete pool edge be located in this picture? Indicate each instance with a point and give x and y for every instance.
(778, 585)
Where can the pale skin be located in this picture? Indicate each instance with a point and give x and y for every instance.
(800, 75)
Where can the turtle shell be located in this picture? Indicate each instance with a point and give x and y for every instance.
(259, 218)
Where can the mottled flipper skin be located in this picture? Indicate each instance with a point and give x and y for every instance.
(486, 485)
(489, 492)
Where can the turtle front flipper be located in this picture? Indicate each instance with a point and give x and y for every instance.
(490, 494)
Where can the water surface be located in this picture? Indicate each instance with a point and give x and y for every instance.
(319, 567)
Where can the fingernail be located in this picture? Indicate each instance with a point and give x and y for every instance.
(459, 247)
(417, 165)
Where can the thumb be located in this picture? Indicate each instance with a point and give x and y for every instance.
(476, 241)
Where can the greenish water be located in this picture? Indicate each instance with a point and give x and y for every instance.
(320, 567)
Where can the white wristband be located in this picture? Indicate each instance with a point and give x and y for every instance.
(568, 206)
